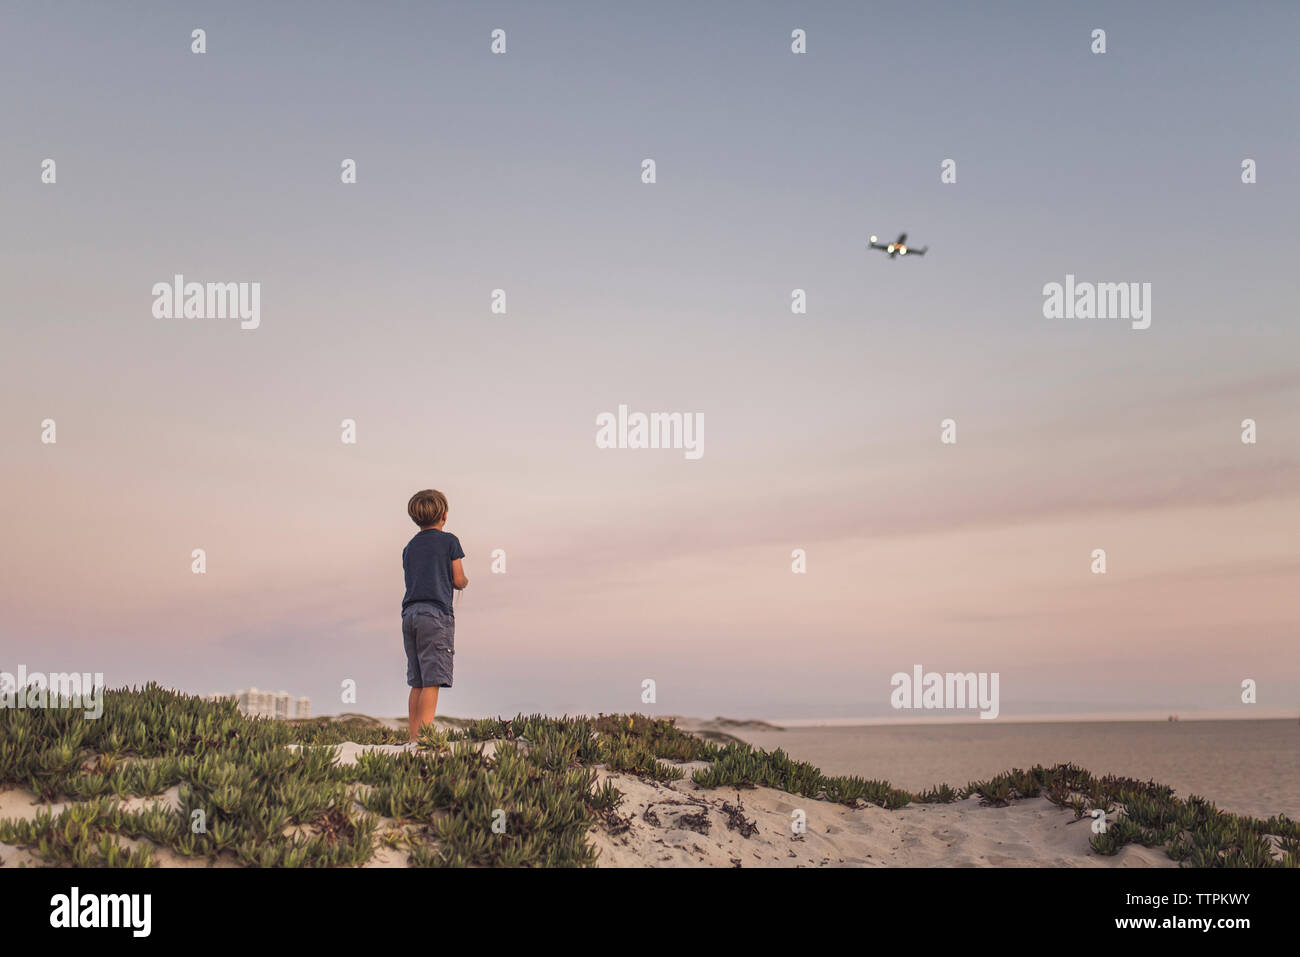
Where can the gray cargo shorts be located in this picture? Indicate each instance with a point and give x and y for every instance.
(429, 635)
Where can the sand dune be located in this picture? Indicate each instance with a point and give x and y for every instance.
(1246, 767)
(678, 823)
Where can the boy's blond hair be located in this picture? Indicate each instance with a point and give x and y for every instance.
(427, 508)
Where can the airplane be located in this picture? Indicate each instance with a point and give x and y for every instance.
(898, 247)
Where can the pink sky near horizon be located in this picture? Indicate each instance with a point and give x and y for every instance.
(624, 565)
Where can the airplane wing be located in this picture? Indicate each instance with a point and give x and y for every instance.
(896, 246)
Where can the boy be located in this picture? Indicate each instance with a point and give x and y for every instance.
(431, 565)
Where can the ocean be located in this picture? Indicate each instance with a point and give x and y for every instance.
(1247, 767)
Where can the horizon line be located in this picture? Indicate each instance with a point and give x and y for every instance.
(1099, 717)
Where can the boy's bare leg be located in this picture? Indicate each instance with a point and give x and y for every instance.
(427, 709)
(413, 713)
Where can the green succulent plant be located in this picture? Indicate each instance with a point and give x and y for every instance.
(272, 794)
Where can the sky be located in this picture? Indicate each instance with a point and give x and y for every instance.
(522, 171)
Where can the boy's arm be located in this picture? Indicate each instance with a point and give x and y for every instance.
(458, 574)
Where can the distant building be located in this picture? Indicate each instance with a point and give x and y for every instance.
(266, 704)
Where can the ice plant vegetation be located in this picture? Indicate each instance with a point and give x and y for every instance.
(499, 792)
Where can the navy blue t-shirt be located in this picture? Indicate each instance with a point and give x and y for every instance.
(426, 562)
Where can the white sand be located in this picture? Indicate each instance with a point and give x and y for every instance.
(1030, 833)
